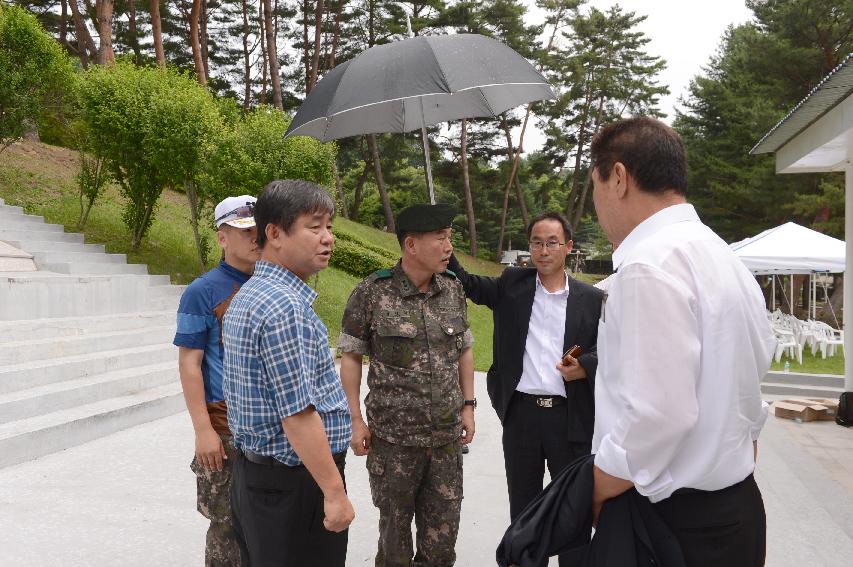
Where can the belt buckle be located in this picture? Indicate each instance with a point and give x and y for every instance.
(545, 402)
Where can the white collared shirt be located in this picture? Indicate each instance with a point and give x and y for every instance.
(683, 343)
(544, 346)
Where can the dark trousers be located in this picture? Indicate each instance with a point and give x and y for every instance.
(724, 527)
(533, 436)
(277, 513)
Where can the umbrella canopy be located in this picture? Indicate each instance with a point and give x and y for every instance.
(417, 82)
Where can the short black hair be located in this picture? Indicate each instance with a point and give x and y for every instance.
(651, 152)
(283, 200)
(551, 215)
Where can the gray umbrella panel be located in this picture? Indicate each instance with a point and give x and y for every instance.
(383, 88)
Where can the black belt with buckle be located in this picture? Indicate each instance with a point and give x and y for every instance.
(542, 401)
(259, 459)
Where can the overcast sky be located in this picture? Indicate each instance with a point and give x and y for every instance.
(685, 33)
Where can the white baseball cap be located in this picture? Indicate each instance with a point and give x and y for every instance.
(236, 211)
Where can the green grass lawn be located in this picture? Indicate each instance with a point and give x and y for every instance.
(813, 364)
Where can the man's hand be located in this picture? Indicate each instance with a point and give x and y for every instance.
(571, 371)
(209, 451)
(467, 425)
(604, 488)
(360, 437)
(338, 512)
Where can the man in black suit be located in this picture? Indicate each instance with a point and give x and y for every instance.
(546, 407)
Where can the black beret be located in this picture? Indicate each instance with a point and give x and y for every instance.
(425, 218)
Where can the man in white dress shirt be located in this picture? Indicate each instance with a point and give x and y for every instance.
(683, 342)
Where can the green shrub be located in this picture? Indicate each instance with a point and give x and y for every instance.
(378, 250)
(357, 260)
(35, 74)
(252, 151)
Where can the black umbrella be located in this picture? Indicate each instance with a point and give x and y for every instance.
(415, 83)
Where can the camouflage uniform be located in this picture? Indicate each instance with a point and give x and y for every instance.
(214, 503)
(414, 340)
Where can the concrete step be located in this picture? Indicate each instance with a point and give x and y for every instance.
(93, 268)
(783, 389)
(27, 439)
(35, 373)
(46, 246)
(11, 209)
(36, 401)
(803, 379)
(166, 303)
(43, 294)
(166, 291)
(35, 329)
(61, 256)
(28, 235)
(53, 347)
(29, 222)
(18, 216)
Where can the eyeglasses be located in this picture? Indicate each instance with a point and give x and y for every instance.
(552, 245)
(241, 212)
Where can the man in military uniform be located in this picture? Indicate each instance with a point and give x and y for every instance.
(411, 320)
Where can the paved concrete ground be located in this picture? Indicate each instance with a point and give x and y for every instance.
(129, 499)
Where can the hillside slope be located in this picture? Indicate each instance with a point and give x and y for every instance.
(41, 179)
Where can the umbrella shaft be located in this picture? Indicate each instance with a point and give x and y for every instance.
(427, 166)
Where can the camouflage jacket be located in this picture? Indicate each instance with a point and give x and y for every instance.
(414, 340)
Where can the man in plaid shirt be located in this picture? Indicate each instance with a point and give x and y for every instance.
(286, 406)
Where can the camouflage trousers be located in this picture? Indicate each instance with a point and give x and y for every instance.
(420, 482)
(213, 489)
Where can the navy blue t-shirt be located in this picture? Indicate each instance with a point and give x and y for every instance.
(200, 315)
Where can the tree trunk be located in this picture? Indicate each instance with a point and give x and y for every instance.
(330, 63)
(557, 22)
(272, 56)
(466, 185)
(380, 183)
(340, 190)
(571, 206)
(131, 28)
(500, 248)
(86, 49)
(315, 60)
(358, 195)
(104, 10)
(157, 31)
(247, 65)
(203, 39)
(63, 24)
(195, 14)
(519, 195)
(264, 66)
(306, 61)
(581, 202)
(192, 197)
(836, 300)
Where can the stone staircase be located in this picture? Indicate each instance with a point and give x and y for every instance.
(85, 341)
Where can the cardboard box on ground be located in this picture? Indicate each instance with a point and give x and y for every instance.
(806, 409)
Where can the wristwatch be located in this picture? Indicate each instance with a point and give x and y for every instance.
(472, 403)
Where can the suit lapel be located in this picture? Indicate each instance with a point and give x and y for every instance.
(574, 314)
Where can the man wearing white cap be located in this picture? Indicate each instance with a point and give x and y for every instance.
(199, 339)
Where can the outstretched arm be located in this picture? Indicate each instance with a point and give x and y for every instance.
(482, 290)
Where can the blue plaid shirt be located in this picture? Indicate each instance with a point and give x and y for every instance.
(277, 363)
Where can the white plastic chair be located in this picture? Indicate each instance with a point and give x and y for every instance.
(787, 341)
(830, 339)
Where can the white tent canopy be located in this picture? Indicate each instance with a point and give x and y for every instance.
(791, 249)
